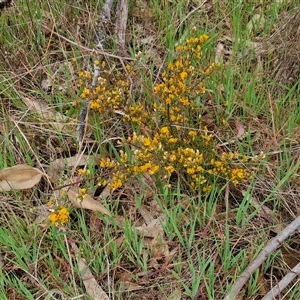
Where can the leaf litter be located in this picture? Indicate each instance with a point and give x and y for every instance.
(151, 227)
(19, 177)
(87, 202)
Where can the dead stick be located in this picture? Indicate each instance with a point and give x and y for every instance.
(254, 265)
(283, 283)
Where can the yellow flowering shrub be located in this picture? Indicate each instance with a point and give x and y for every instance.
(167, 134)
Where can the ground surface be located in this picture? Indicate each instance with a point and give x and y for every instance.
(161, 228)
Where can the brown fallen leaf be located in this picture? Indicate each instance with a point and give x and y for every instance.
(290, 256)
(19, 177)
(220, 49)
(153, 233)
(87, 202)
(54, 118)
(57, 166)
(153, 229)
(256, 23)
(131, 286)
(90, 283)
(240, 129)
(73, 161)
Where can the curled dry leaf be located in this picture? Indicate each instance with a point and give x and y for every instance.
(87, 202)
(19, 177)
(220, 49)
(240, 129)
(44, 110)
(91, 285)
(153, 229)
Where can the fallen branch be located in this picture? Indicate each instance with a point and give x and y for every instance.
(255, 264)
(284, 282)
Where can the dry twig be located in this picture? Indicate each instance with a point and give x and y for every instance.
(284, 282)
(255, 264)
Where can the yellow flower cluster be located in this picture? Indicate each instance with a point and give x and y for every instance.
(225, 167)
(82, 193)
(60, 216)
(84, 77)
(182, 82)
(193, 45)
(136, 114)
(108, 98)
(167, 136)
(84, 172)
(163, 154)
(211, 68)
(109, 94)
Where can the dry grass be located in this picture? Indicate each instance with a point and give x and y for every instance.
(286, 42)
(205, 237)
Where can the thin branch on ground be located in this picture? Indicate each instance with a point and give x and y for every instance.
(188, 15)
(284, 282)
(255, 264)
